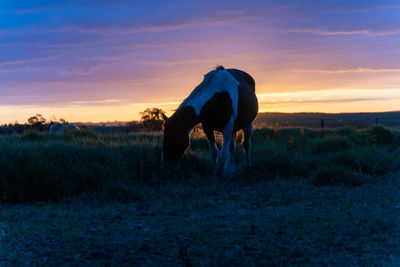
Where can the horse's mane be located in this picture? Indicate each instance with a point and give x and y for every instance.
(206, 80)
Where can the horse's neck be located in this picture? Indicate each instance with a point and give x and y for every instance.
(191, 125)
(187, 117)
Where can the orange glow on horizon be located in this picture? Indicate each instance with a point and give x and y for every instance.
(327, 101)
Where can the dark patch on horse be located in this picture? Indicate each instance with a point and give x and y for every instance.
(185, 117)
(247, 102)
(217, 111)
(176, 138)
(243, 78)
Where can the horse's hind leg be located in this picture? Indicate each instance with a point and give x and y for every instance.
(232, 152)
(248, 131)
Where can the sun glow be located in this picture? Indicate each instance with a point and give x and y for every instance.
(80, 113)
(331, 101)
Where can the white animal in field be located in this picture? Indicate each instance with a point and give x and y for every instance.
(59, 128)
(56, 128)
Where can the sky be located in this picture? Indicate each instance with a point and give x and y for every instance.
(92, 61)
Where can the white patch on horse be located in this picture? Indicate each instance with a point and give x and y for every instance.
(214, 82)
(227, 135)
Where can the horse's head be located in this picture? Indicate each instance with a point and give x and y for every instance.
(175, 141)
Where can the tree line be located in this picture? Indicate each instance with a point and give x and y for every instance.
(151, 119)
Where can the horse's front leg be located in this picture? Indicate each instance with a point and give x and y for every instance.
(226, 147)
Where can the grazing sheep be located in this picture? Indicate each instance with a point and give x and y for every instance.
(59, 128)
(70, 128)
(56, 128)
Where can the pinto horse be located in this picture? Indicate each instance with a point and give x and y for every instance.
(224, 101)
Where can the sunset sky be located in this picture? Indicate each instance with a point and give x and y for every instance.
(109, 60)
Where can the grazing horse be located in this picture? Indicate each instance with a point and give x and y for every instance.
(224, 101)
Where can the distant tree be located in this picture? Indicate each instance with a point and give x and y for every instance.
(38, 122)
(37, 119)
(152, 119)
(54, 120)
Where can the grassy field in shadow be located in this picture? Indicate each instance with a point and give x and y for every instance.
(312, 197)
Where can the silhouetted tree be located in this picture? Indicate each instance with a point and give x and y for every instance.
(152, 119)
(37, 122)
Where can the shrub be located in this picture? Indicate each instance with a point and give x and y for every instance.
(267, 134)
(31, 135)
(366, 160)
(362, 138)
(281, 162)
(292, 145)
(331, 143)
(345, 131)
(373, 161)
(85, 133)
(381, 135)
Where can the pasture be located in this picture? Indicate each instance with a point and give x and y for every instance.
(312, 197)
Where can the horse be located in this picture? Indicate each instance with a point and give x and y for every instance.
(225, 101)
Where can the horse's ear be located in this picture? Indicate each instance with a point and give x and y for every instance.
(164, 116)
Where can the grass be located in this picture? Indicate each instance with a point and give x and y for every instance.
(218, 223)
(38, 166)
(311, 198)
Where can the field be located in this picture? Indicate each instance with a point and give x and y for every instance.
(312, 197)
(313, 120)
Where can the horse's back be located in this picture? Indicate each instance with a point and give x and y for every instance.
(244, 79)
(247, 103)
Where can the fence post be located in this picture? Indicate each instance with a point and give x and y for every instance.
(376, 121)
(322, 123)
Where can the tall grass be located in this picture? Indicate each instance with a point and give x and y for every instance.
(38, 166)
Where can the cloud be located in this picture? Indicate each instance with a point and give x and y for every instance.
(15, 62)
(369, 32)
(162, 26)
(96, 102)
(329, 96)
(351, 70)
(375, 6)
